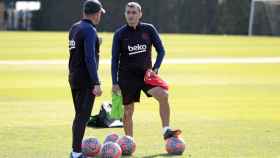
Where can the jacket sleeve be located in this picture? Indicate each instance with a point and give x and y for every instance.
(115, 58)
(157, 43)
(90, 58)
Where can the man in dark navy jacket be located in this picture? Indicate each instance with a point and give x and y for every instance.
(83, 65)
(131, 58)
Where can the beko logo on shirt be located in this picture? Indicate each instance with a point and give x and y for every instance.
(137, 49)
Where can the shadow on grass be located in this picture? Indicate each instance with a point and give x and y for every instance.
(161, 155)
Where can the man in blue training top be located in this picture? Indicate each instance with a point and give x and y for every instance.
(131, 58)
(83, 65)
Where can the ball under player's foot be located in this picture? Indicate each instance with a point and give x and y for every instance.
(171, 133)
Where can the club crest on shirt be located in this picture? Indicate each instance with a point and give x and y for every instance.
(145, 36)
(72, 44)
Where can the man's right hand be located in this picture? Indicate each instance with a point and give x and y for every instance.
(97, 91)
(116, 88)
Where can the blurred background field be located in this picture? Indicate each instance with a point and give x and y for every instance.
(225, 110)
(53, 45)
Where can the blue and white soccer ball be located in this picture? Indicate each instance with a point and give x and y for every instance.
(91, 147)
(127, 145)
(111, 150)
(113, 137)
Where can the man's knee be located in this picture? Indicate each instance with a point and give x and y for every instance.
(164, 94)
(160, 94)
(81, 119)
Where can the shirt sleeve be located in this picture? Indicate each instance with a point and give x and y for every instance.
(90, 58)
(115, 58)
(157, 43)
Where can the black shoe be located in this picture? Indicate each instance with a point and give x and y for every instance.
(81, 156)
(172, 133)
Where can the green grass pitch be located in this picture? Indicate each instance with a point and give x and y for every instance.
(224, 110)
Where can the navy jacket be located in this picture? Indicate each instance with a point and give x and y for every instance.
(84, 55)
(131, 51)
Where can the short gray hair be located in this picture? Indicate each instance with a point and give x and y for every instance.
(135, 5)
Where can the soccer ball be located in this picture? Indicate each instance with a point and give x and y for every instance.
(175, 146)
(111, 150)
(113, 137)
(91, 147)
(127, 145)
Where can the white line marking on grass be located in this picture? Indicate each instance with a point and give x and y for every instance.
(33, 62)
(229, 60)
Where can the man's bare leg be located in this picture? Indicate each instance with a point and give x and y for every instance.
(161, 96)
(127, 119)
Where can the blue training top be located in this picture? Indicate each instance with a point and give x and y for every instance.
(84, 55)
(131, 50)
